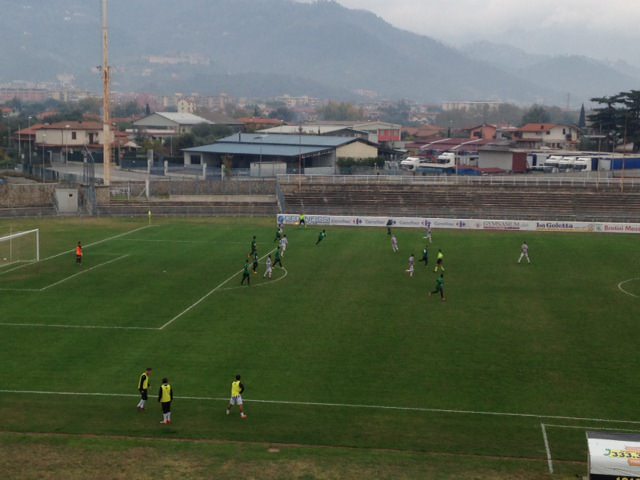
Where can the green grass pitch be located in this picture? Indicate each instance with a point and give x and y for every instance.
(342, 334)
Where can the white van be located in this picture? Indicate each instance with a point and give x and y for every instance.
(566, 163)
(551, 163)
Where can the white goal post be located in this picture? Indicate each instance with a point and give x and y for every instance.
(20, 247)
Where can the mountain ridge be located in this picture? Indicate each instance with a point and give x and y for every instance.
(319, 49)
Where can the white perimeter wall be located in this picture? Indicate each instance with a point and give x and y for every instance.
(462, 224)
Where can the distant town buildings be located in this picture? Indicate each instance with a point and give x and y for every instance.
(471, 105)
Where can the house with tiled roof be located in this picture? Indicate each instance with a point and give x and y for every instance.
(68, 140)
(253, 124)
(550, 135)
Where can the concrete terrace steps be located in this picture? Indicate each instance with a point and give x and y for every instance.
(589, 203)
(41, 211)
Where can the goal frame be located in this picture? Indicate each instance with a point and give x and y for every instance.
(12, 236)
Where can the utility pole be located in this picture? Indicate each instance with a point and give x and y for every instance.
(106, 95)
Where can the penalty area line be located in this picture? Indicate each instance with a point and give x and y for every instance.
(207, 295)
(341, 405)
(547, 448)
(120, 235)
(64, 279)
(84, 271)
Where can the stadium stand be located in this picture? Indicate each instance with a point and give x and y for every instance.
(578, 202)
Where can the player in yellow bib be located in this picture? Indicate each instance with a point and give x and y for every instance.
(236, 396)
(143, 388)
(165, 396)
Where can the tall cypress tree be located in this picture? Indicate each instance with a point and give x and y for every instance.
(582, 121)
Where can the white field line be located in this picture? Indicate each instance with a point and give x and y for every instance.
(624, 283)
(179, 241)
(6, 265)
(86, 246)
(207, 295)
(64, 279)
(266, 284)
(106, 327)
(337, 405)
(87, 327)
(547, 425)
(84, 271)
(546, 446)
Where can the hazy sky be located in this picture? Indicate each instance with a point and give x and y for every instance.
(600, 28)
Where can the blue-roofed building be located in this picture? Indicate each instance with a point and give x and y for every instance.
(269, 154)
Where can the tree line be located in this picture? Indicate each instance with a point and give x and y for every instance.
(617, 120)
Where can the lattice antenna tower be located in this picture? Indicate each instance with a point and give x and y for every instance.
(106, 94)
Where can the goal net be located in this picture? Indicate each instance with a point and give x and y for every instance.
(20, 247)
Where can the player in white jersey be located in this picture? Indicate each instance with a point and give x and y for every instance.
(394, 243)
(284, 243)
(412, 262)
(427, 234)
(524, 252)
(269, 269)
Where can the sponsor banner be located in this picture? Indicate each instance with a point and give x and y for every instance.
(503, 225)
(565, 227)
(461, 224)
(620, 228)
(613, 456)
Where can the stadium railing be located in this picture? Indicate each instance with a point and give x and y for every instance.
(497, 180)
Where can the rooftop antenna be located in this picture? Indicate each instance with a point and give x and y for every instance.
(106, 95)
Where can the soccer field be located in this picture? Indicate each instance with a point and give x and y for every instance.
(340, 349)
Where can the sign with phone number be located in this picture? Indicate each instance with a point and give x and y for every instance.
(613, 456)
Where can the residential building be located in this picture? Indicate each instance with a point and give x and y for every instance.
(484, 131)
(68, 140)
(168, 124)
(549, 135)
(186, 105)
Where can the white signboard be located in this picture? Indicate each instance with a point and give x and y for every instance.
(614, 456)
(461, 223)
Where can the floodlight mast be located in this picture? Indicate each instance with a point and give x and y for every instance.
(106, 95)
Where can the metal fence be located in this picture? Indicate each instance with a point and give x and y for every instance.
(168, 187)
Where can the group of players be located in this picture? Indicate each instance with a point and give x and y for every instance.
(252, 261)
(282, 242)
(165, 395)
(165, 392)
(439, 286)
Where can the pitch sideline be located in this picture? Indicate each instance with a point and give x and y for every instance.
(340, 405)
